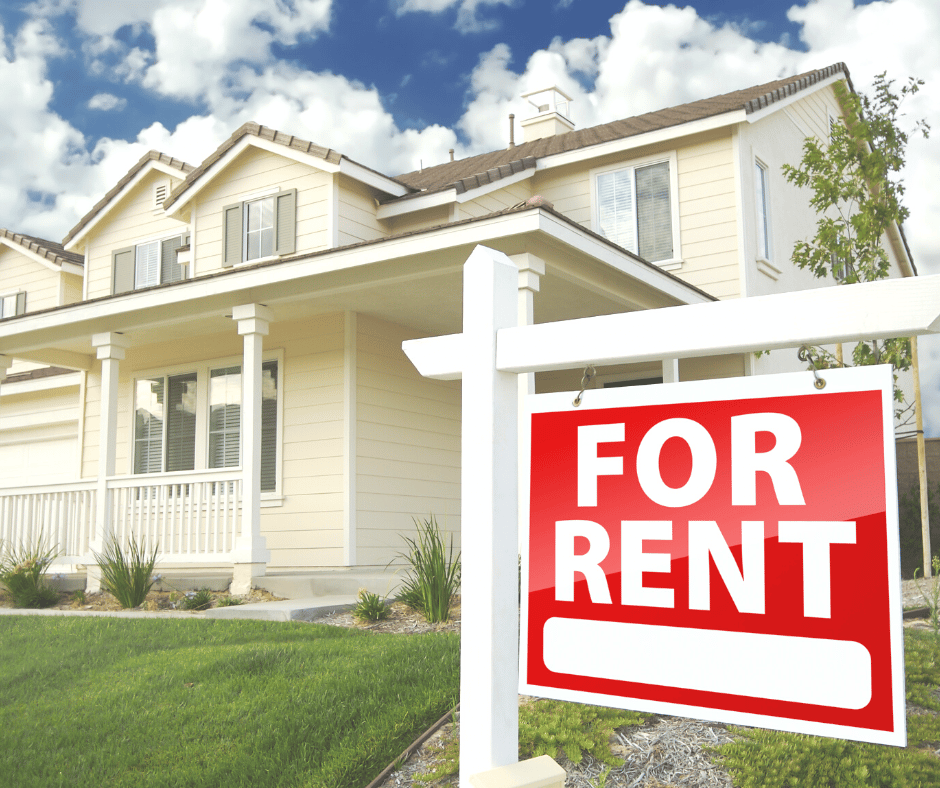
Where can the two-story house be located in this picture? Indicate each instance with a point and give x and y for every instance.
(242, 397)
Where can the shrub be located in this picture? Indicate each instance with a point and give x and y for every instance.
(22, 572)
(230, 601)
(196, 600)
(434, 577)
(370, 607)
(129, 577)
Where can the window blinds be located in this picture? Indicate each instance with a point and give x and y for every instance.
(654, 212)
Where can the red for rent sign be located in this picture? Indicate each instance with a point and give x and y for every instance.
(725, 550)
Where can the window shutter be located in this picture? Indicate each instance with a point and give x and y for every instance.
(269, 425)
(232, 235)
(21, 303)
(285, 222)
(170, 270)
(654, 212)
(122, 270)
(148, 264)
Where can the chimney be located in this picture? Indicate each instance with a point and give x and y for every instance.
(553, 107)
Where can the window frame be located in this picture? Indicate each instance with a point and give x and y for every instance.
(671, 158)
(235, 231)
(19, 307)
(124, 271)
(764, 219)
(202, 370)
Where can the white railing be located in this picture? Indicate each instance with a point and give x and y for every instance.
(59, 516)
(189, 516)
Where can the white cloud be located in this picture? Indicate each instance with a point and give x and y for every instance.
(106, 102)
(468, 20)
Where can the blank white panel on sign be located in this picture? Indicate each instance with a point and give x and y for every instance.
(834, 673)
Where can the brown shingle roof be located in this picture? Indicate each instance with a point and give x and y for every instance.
(48, 250)
(488, 167)
(153, 155)
(265, 133)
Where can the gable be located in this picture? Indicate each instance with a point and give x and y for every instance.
(20, 273)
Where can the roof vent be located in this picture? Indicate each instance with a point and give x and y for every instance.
(553, 115)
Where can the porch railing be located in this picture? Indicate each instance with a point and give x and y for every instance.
(191, 517)
(60, 516)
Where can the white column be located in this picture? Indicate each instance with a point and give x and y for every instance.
(670, 370)
(531, 269)
(489, 656)
(250, 555)
(111, 347)
(5, 363)
(349, 438)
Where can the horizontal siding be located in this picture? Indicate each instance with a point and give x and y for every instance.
(357, 208)
(495, 201)
(569, 190)
(19, 272)
(129, 221)
(408, 444)
(252, 171)
(708, 217)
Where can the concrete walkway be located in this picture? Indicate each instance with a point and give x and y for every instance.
(282, 610)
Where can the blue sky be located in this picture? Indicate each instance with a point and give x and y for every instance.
(90, 85)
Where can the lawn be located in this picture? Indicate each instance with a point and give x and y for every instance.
(119, 702)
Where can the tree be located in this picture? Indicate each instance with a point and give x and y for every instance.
(857, 192)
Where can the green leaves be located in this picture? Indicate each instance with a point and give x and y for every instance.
(434, 579)
(127, 576)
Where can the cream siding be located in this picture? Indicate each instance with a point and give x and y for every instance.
(71, 289)
(420, 220)
(38, 436)
(494, 201)
(130, 221)
(568, 189)
(253, 171)
(408, 444)
(19, 272)
(357, 207)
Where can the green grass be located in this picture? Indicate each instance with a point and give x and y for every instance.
(117, 702)
(768, 759)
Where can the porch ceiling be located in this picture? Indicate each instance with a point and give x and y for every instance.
(414, 281)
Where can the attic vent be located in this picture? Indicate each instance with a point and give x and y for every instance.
(160, 192)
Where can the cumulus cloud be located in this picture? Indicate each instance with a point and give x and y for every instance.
(469, 19)
(106, 102)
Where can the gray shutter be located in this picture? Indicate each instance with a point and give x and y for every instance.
(122, 270)
(181, 422)
(269, 426)
(285, 221)
(232, 236)
(170, 270)
(21, 303)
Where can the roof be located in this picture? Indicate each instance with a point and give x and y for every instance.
(488, 167)
(148, 157)
(271, 135)
(48, 250)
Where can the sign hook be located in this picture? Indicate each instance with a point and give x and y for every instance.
(589, 374)
(804, 355)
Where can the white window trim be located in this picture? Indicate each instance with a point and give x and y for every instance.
(247, 198)
(202, 369)
(672, 158)
(765, 263)
(8, 294)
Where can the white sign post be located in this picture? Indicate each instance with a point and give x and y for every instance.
(491, 347)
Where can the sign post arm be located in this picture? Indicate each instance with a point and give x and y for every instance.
(489, 723)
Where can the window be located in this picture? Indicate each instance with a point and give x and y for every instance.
(146, 264)
(167, 421)
(13, 304)
(763, 211)
(634, 209)
(259, 228)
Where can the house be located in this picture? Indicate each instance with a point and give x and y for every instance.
(242, 398)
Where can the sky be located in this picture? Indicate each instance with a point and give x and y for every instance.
(89, 86)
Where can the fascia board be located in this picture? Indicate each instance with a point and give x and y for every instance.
(641, 140)
(370, 178)
(660, 280)
(76, 243)
(249, 140)
(413, 204)
(502, 183)
(780, 104)
(31, 255)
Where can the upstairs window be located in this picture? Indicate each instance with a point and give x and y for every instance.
(634, 209)
(13, 304)
(260, 227)
(763, 210)
(147, 264)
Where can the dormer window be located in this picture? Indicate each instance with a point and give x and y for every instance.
(259, 227)
(147, 264)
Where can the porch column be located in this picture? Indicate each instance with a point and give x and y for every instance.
(251, 554)
(670, 370)
(111, 347)
(5, 363)
(531, 270)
